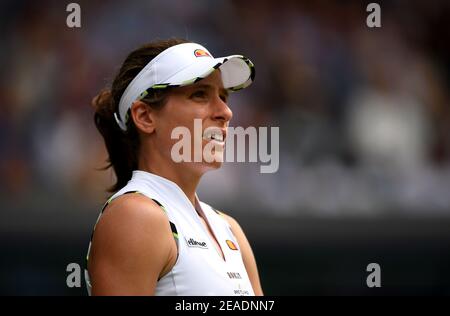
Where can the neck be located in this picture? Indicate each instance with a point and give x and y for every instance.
(175, 172)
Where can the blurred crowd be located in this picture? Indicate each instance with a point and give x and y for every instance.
(364, 114)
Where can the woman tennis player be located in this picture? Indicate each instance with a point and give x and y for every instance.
(154, 236)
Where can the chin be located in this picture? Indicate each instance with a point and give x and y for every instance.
(204, 166)
(214, 165)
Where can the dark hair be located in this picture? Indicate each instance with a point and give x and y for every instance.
(123, 147)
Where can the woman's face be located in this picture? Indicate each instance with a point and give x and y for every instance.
(195, 119)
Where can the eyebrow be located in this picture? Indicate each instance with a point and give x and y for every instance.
(211, 87)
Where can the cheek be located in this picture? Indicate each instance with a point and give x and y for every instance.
(177, 118)
(184, 114)
(173, 128)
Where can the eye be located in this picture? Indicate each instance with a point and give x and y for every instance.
(224, 98)
(199, 94)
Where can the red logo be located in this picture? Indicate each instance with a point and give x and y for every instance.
(201, 53)
(231, 245)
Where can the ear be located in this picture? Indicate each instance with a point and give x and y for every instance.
(143, 117)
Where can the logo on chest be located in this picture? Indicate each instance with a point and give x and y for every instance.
(191, 242)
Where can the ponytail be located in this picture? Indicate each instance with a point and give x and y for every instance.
(123, 147)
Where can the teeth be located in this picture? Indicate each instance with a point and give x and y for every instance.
(213, 134)
(218, 137)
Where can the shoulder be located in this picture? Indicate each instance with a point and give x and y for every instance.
(134, 210)
(131, 223)
(131, 246)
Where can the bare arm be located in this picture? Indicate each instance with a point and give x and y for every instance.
(132, 246)
(247, 255)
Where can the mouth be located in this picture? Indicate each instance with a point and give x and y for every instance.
(214, 134)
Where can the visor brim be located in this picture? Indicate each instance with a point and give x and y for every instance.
(237, 72)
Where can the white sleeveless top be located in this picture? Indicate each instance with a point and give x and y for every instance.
(199, 268)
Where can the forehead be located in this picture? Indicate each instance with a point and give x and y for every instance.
(215, 79)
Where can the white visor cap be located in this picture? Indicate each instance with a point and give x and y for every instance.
(182, 65)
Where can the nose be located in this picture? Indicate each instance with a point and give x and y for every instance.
(222, 111)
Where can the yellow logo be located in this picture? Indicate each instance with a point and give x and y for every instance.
(231, 245)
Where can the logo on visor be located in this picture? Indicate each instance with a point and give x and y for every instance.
(231, 245)
(201, 53)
